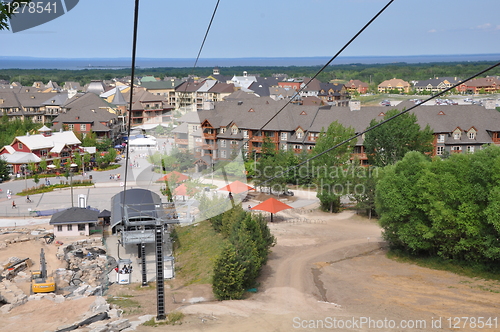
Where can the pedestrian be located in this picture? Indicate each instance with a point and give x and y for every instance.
(249, 207)
(14, 204)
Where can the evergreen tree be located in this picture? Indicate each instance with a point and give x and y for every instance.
(228, 275)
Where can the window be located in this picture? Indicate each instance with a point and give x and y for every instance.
(456, 135)
(284, 147)
(195, 128)
(234, 142)
(59, 228)
(297, 147)
(456, 148)
(440, 138)
(71, 126)
(83, 127)
(234, 130)
(470, 149)
(245, 146)
(81, 227)
(299, 134)
(43, 153)
(70, 228)
(313, 136)
(245, 133)
(223, 130)
(223, 143)
(284, 136)
(440, 150)
(472, 135)
(223, 154)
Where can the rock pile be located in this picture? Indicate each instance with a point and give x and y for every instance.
(11, 295)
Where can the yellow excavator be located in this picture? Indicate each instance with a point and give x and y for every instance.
(40, 282)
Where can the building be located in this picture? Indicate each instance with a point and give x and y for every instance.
(75, 221)
(435, 85)
(47, 145)
(393, 85)
(245, 124)
(480, 85)
(356, 86)
(85, 113)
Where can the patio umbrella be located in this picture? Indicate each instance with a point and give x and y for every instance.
(182, 190)
(51, 166)
(236, 187)
(271, 205)
(179, 177)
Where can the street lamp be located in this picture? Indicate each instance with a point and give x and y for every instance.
(71, 180)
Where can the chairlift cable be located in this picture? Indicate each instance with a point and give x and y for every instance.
(383, 122)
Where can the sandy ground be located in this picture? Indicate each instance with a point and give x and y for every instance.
(330, 269)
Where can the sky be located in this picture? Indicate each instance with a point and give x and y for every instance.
(263, 28)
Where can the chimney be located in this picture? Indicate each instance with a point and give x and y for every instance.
(490, 104)
(355, 105)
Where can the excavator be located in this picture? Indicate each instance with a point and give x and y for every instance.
(40, 282)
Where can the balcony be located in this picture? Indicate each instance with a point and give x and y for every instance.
(181, 141)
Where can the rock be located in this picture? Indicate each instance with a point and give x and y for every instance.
(119, 325)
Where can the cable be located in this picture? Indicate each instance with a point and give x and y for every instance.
(183, 95)
(206, 34)
(330, 61)
(132, 74)
(381, 123)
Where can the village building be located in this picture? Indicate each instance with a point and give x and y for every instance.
(75, 221)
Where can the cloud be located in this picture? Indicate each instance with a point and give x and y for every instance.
(485, 26)
(432, 31)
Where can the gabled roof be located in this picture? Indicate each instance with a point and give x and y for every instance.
(18, 157)
(56, 139)
(74, 215)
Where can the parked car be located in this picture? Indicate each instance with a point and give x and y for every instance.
(288, 193)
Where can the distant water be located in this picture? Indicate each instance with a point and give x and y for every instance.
(117, 63)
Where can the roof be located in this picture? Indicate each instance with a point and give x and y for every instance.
(74, 215)
(18, 157)
(134, 203)
(39, 141)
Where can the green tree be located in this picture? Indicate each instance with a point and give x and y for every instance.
(5, 14)
(4, 169)
(43, 165)
(329, 167)
(388, 143)
(228, 276)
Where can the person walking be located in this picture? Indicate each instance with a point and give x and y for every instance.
(14, 205)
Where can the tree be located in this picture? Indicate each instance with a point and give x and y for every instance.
(4, 169)
(228, 276)
(447, 208)
(388, 143)
(5, 14)
(329, 168)
(270, 166)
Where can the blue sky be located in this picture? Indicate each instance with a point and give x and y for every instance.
(263, 28)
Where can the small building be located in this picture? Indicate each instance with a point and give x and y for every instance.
(74, 221)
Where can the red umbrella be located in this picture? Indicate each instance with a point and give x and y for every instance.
(182, 190)
(236, 187)
(271, 205)
(179, 177)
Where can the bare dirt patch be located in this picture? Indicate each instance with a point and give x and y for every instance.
(333, 267)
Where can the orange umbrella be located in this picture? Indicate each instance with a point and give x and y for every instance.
(271, 205)
(236, 187)
(182, 190)
(179, 177)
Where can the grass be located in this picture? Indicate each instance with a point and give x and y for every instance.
(196, 248)
(173, 318)
(471, 270)
(126, 303)
(42, 188)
